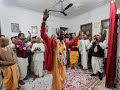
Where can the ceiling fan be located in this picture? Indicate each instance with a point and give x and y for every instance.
(62, 8)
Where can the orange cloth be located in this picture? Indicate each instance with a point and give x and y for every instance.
(74, 55)
(58, 72)
(11, 77)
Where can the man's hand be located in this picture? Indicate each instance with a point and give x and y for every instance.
(80, 33)
(39, 49)
(93, 40)
(29, 32)
(24, 48)
(45, 15)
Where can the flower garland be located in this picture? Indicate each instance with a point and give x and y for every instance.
(61, 52)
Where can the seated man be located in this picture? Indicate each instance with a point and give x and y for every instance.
(8, 66)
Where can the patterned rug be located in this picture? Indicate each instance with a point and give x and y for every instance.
(77, 80)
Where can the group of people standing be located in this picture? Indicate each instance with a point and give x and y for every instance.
(57, 51)
(52, 53)
(15, 59)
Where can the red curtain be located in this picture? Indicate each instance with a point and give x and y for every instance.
(112, 46)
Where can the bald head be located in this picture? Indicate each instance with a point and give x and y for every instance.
(4, 41)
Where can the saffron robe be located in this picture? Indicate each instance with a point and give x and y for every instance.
(52, 64)
(50, 44)
(9, 69)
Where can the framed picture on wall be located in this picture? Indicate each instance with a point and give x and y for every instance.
(15, 27)
(34, 29)
(105, 28)
(105, 23)
(87, 29)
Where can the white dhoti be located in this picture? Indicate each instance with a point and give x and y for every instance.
(38, 63)
(84, 60)
(38, 58)
(23, 67)
(84, 53)
(97, 64)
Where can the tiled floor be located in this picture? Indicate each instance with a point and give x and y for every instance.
(76, 80)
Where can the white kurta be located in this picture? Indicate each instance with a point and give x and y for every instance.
(38, 58)
(84, 54)
(97, 62)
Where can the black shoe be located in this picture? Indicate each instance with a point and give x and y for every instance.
(100, 76)
(93, 75)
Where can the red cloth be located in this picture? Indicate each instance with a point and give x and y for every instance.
(21, 50)
(112, 46)
(74, 48)
(50, 44)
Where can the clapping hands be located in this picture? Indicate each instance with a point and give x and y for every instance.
(37, 49)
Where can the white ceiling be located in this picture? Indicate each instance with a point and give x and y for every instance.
(79, 6)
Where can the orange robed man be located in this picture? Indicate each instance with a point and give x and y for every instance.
(55, 55)
(8, 66)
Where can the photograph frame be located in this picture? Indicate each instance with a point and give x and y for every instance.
(85, 28)
(15, 27)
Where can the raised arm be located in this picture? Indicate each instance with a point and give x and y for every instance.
(71, 43)
(43, 26)
(91, 43)
(44, 36)
(29, 37)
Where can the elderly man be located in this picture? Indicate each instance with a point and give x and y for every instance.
(8, 65)
(98, 47)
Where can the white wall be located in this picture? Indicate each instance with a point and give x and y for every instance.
(26, 19)
(118, 11)
(92, 16)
